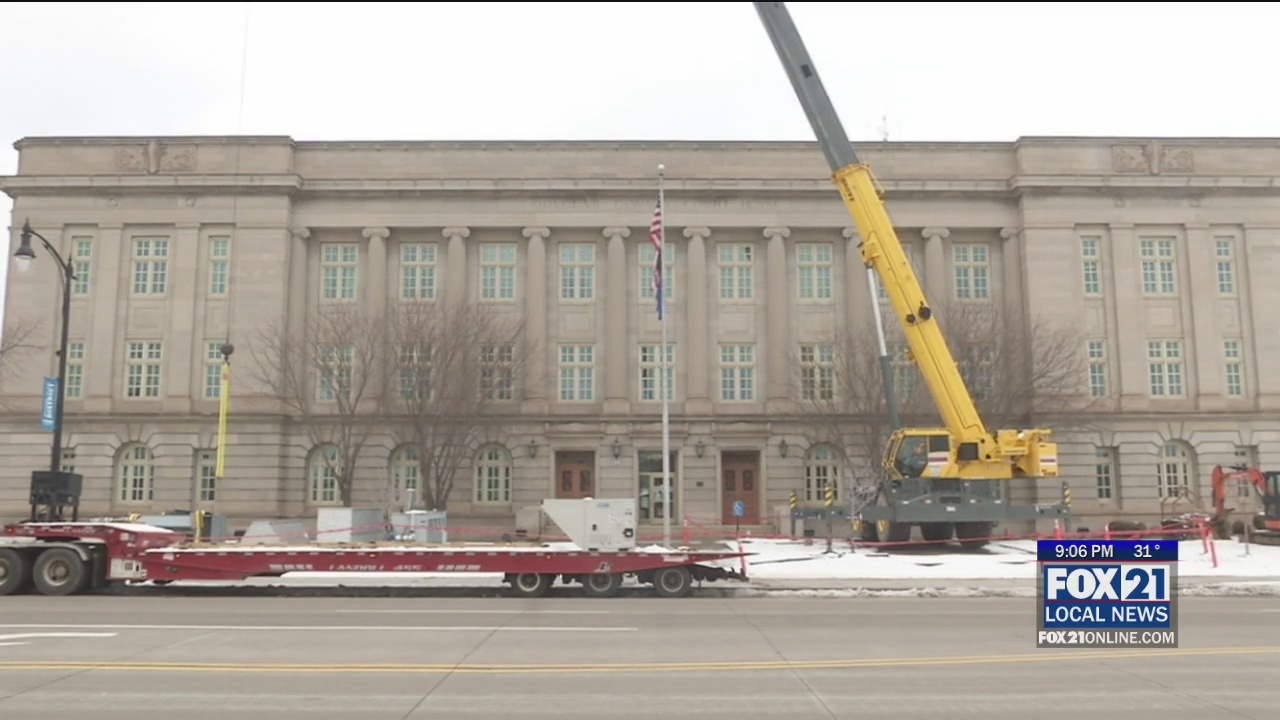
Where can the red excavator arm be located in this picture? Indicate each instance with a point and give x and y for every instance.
(1267, 486)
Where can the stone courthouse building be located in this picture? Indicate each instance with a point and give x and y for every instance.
(1158, 252)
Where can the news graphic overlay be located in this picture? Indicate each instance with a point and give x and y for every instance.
(1107, 594)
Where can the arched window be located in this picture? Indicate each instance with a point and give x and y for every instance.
(821, 468)
(135, 474)
(1176, 470)
(323, 469)
(493, 475)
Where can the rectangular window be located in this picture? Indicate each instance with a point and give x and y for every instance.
(1159, 267)
(577, 372)
(814, 264)
(904, 370)
(736, 270)
(143, 368)
(497, 373)
(737, 372)
(577, 271)
(1091, 254)
(418, 271)
(651, 370)
(334, 370)
(972, 266)
(1164, 368)
(1225, 256)
(339, 263)
(75, 369)
(207, 475)
(817, 372)
(647, 257)
(219, 265)
(1097, 351)
(68, 460)
(212, 369)
(1104, 473)
(498, 271)
(81, 264)
(1233, 365)
(150, 265)
(415, 368)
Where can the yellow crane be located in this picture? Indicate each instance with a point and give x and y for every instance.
(964, 448)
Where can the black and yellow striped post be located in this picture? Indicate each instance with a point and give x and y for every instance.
(828, 501)
(794, 501)
(1066, 495)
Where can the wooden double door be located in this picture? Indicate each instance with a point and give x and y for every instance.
(575, 474)
(740, 483)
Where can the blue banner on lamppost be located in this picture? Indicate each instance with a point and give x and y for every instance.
(48, 407)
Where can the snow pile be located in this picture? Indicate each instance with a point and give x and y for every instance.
(1001, 560)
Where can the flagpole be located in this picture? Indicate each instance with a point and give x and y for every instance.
(666, 384)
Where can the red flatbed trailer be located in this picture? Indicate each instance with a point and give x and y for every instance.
(68, 558)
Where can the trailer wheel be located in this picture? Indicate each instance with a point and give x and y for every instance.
(531, 585)
(673, 582)
(602, 585)
(15, 573)
(60, 571)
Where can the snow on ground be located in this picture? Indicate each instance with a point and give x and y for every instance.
(1006, 559)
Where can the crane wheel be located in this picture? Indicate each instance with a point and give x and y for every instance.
(60, 571)
(15, 572)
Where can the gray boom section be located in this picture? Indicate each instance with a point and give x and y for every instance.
(808, 86)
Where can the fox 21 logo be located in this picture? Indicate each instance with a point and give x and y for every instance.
(1123, 583)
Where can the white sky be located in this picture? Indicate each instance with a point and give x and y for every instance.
(684, 71)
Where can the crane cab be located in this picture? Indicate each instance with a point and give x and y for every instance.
(914, 453)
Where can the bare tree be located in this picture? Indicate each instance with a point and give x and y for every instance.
(332, 381)
(15, 345)
(453, 359)
(1016, 368)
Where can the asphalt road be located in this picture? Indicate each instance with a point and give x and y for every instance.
(742, 659)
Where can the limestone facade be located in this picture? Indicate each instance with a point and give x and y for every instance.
(1159, 251)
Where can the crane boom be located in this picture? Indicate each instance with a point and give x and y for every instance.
(972, 450)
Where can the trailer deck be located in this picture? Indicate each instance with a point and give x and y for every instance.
(67, 558)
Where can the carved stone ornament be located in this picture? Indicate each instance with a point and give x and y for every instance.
(156, 157)
(1152, 158)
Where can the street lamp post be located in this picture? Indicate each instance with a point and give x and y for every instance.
(54, 487)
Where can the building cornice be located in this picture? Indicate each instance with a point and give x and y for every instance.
(289, 184)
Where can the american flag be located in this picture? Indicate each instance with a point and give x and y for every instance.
(656, 237)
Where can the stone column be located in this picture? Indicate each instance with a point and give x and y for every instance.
(857, 298)
(698, 395)
(106, 333)
(778, 335)
(935, 263)
(535, 298)
(617, 396)
(377, 293)
(298, 297)
(1011, 290)
(455, 282)
(184, 261)
(1131, 337)
(1202, 343)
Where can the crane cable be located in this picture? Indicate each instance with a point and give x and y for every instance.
(224, 390)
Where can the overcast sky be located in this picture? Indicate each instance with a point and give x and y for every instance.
(686, 71)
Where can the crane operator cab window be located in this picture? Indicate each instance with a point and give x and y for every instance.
(913, 453)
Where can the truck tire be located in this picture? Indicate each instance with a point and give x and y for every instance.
(602, 585)
(531, 585)
(60, 571)
(673, 582)
(15, 572)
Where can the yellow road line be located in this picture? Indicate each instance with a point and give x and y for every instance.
(651, 667)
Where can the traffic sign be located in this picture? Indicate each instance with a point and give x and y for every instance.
(739, 508)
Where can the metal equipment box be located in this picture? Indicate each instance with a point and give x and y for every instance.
(607, 524)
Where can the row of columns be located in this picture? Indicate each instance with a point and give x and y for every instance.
(618, 304)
